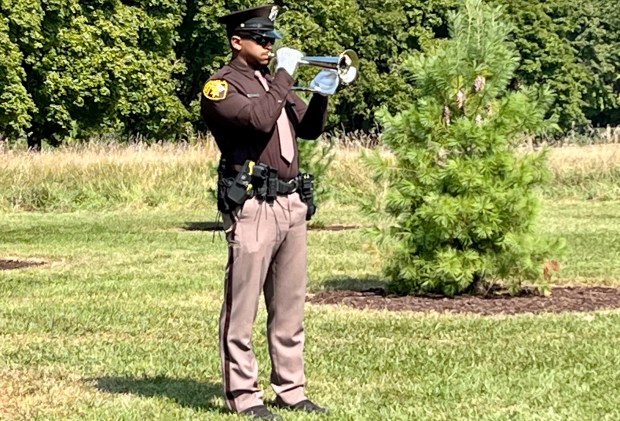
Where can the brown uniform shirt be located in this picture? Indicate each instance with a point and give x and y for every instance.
(243, 117)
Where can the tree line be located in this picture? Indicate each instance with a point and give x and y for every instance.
(73, 69)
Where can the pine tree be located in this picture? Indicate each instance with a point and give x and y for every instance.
(461, 199)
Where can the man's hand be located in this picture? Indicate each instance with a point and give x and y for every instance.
(325, 82)
(288, 59)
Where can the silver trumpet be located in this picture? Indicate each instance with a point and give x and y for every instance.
(346, 64)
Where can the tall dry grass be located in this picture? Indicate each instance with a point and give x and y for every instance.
(586, 172)
(101, 175)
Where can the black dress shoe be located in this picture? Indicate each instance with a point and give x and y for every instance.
(260, 412)
(306, 406)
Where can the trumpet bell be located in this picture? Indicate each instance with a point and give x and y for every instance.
(346, 64)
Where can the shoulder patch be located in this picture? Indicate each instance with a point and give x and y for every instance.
(216, 89)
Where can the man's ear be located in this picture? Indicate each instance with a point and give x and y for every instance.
(235, 42)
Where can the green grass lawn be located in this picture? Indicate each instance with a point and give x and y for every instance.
(121, 324)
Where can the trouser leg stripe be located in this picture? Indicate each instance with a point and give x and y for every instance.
(229, 302)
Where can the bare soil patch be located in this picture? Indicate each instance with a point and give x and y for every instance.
(561, 299)
(17, 264)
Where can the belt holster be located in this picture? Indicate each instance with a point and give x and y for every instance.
(235, 187)
(224, 183)
(306, 192)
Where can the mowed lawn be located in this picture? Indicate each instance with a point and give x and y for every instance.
(121, 324)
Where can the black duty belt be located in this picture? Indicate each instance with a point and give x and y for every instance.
(288, 187)
(264, 180)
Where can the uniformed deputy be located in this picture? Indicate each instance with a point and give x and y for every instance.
(255, 118)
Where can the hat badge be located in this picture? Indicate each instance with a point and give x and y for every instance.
(273, 14)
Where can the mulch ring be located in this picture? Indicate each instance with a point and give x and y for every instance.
(17, 264)
(561, 299)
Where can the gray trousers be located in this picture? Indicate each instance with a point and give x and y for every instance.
(266, 251)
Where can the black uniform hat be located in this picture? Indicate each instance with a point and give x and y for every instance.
(256, 20)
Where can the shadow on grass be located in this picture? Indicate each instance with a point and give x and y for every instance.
(217, 226)
(203, 226)
(335, 227)
(185, 392)
(17, 264)
(354, 284)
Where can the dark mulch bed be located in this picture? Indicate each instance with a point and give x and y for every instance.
(17, 264)
(561, 299)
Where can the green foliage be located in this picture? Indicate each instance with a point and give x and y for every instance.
(16, 105)
(380, 31)
(80, 68)
(202, 47)
(573, 48)
(461, 201)
(565, 47)
(568, 47)
(98, 66)
(606, 26)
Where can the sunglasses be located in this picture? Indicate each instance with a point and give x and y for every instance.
(261, 40)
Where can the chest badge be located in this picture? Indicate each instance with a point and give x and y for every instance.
(216, 90)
